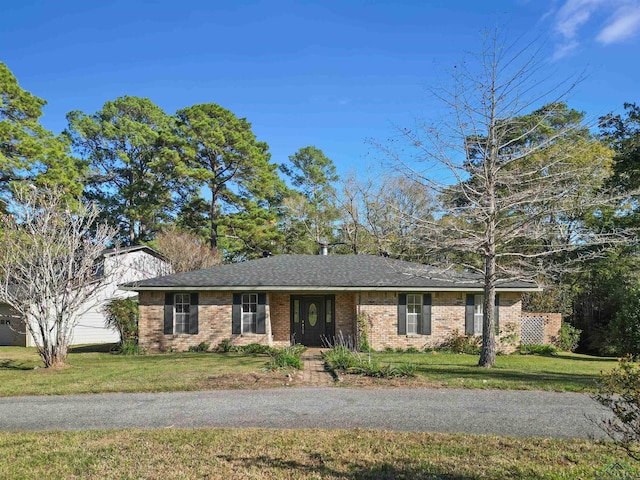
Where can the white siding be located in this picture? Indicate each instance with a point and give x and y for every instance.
(121, 268)
(11, 328)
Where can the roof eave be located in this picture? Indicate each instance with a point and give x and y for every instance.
(279, 288)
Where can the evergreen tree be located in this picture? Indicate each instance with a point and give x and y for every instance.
(220, 153)
(29, 152)
(132, 167)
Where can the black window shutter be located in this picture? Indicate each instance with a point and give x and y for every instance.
(261, 313)
(468, 315)
(236, 314)
(497, 313)
(402, 314)
(193, 314)
(168, 313)
(426, 314)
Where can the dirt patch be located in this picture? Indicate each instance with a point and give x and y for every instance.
(361, 381)
(253, 380)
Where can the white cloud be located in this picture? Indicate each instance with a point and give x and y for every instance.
(623, 24)
(613, 20)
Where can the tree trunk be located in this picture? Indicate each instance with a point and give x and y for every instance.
(213, 217)
(488, 353)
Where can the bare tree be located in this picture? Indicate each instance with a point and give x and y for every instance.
(384, 218)
(49, 266)
(513, 179)
(186, 251)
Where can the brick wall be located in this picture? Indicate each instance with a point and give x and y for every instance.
(380, 308)
(345, 314)
(447, 315)
(280, 304)
(214, 324)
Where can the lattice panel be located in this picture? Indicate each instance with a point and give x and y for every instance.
(533, 330)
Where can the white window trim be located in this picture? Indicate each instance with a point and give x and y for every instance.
(249, 317)
(415, 315)
(185, 299)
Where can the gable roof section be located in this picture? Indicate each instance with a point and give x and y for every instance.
(323, 272)
(109, 252)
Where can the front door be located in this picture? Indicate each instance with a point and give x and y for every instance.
(311, 323)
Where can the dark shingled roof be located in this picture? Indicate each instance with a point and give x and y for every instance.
(309, 272)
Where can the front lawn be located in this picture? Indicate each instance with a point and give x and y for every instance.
(568, 372)
(93, 369)
(300, 454)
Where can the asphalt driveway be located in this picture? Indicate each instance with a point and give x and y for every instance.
(520, 413)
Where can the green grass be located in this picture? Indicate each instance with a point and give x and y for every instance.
(93, 369)
(298, 454)
(567, 372)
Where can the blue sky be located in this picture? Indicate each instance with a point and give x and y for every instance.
(326, 73)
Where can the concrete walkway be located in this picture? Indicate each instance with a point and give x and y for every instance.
(519, 413)
(313, 373)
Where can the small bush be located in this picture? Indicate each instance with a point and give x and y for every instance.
(399, 350)
(201, 347)
(619, 391)
(121, 314)
(288, 357)
(341, 358)
(373, 369)
(225, 346)
(256, 348)
(412, 350)
(535, 349)
(363, 335)
(388, 350)
(568, 338)
(459, 343)
(130, 348)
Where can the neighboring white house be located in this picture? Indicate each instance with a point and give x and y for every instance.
(123, 265)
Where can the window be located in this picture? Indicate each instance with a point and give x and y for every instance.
(180, 313)
(182, 305)
(478, 314)
(249, 312)
(474, 316)
(414, 311)
(414, 314)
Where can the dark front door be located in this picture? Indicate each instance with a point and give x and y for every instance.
(312, 319)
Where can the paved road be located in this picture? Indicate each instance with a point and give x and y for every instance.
(434, 410)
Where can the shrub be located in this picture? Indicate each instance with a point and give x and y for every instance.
(399, 350)
(619, 391)
(341, 358)
(373, 369)
(568, 338)
(624, 330)
(201, 347)
(122, 316)
(256, 348)
(535, 349)
(363, 333)
(224, 346)
(288, 357)
(459, 343)
(130, 348)
(388, 350)
(413, 350)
